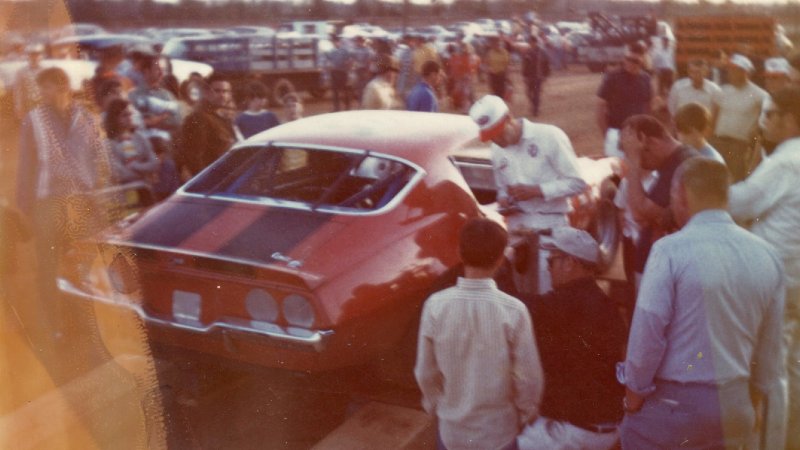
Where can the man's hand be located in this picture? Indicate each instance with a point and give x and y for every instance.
(632, 402)
(524, 191)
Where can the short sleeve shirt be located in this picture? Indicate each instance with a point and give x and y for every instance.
(626, 95)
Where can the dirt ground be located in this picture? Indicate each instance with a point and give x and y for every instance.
(77, 395)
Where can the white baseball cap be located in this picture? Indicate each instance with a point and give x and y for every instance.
(741, 61)
(490, 113)
(777, 66)
(575, 242)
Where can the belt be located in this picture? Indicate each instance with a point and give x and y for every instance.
(600, 428)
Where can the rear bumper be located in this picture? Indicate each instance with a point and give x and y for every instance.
(262, 332)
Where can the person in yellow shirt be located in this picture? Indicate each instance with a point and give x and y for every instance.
(497, 61)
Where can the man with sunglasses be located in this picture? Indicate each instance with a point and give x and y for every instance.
(770, 200)
(580, 336)
(624, 92)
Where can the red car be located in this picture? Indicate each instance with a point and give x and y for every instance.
(308, 247)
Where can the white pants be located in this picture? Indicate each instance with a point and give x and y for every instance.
(549, 434)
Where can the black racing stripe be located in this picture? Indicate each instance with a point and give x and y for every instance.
(177, 221)
(278, 230)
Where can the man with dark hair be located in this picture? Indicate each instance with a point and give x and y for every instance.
(580, 336)
(770, 200)
(159, 108)
(380, 92)
(693, 121)
(483, 384)
(705, 343)
(695, 88)
(624, 92)
(423, 96)
(207, 132)
(648, 146)
(535, 69)
(255, 118)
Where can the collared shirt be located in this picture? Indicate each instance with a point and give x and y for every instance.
(422, 98)
(770, 197)
(477, 365)
(683, 92)
(738, 110)
(709, 310)
(544, 157)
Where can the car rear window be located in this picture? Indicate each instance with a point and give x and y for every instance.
(318, 178)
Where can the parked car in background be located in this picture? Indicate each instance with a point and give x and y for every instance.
(308, 247)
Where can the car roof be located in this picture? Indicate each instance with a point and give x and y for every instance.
(410, 135)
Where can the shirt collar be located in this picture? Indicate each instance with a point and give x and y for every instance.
(476, 283)
(786, 145)
(709, 216)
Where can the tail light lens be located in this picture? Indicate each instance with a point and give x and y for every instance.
(297, 310)
(261, 305)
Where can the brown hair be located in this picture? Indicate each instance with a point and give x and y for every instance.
(692, 117)
(647, 125)
(482, 242)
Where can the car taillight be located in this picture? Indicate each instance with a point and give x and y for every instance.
(261, 305)
(122, 275)
(297, 310)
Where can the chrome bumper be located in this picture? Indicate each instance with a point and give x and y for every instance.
(293, 336)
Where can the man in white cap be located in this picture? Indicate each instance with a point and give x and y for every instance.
(777, 74)
(580, 336)
(736, 109)
(535, 170)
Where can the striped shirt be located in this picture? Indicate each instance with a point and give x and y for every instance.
(478, 365)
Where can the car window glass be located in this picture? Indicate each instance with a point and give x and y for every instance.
(318, 178)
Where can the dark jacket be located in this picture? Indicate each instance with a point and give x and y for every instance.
(535, 64)
(581, 336)
(205, 136)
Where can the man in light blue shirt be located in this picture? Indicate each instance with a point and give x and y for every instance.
(706, 329)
